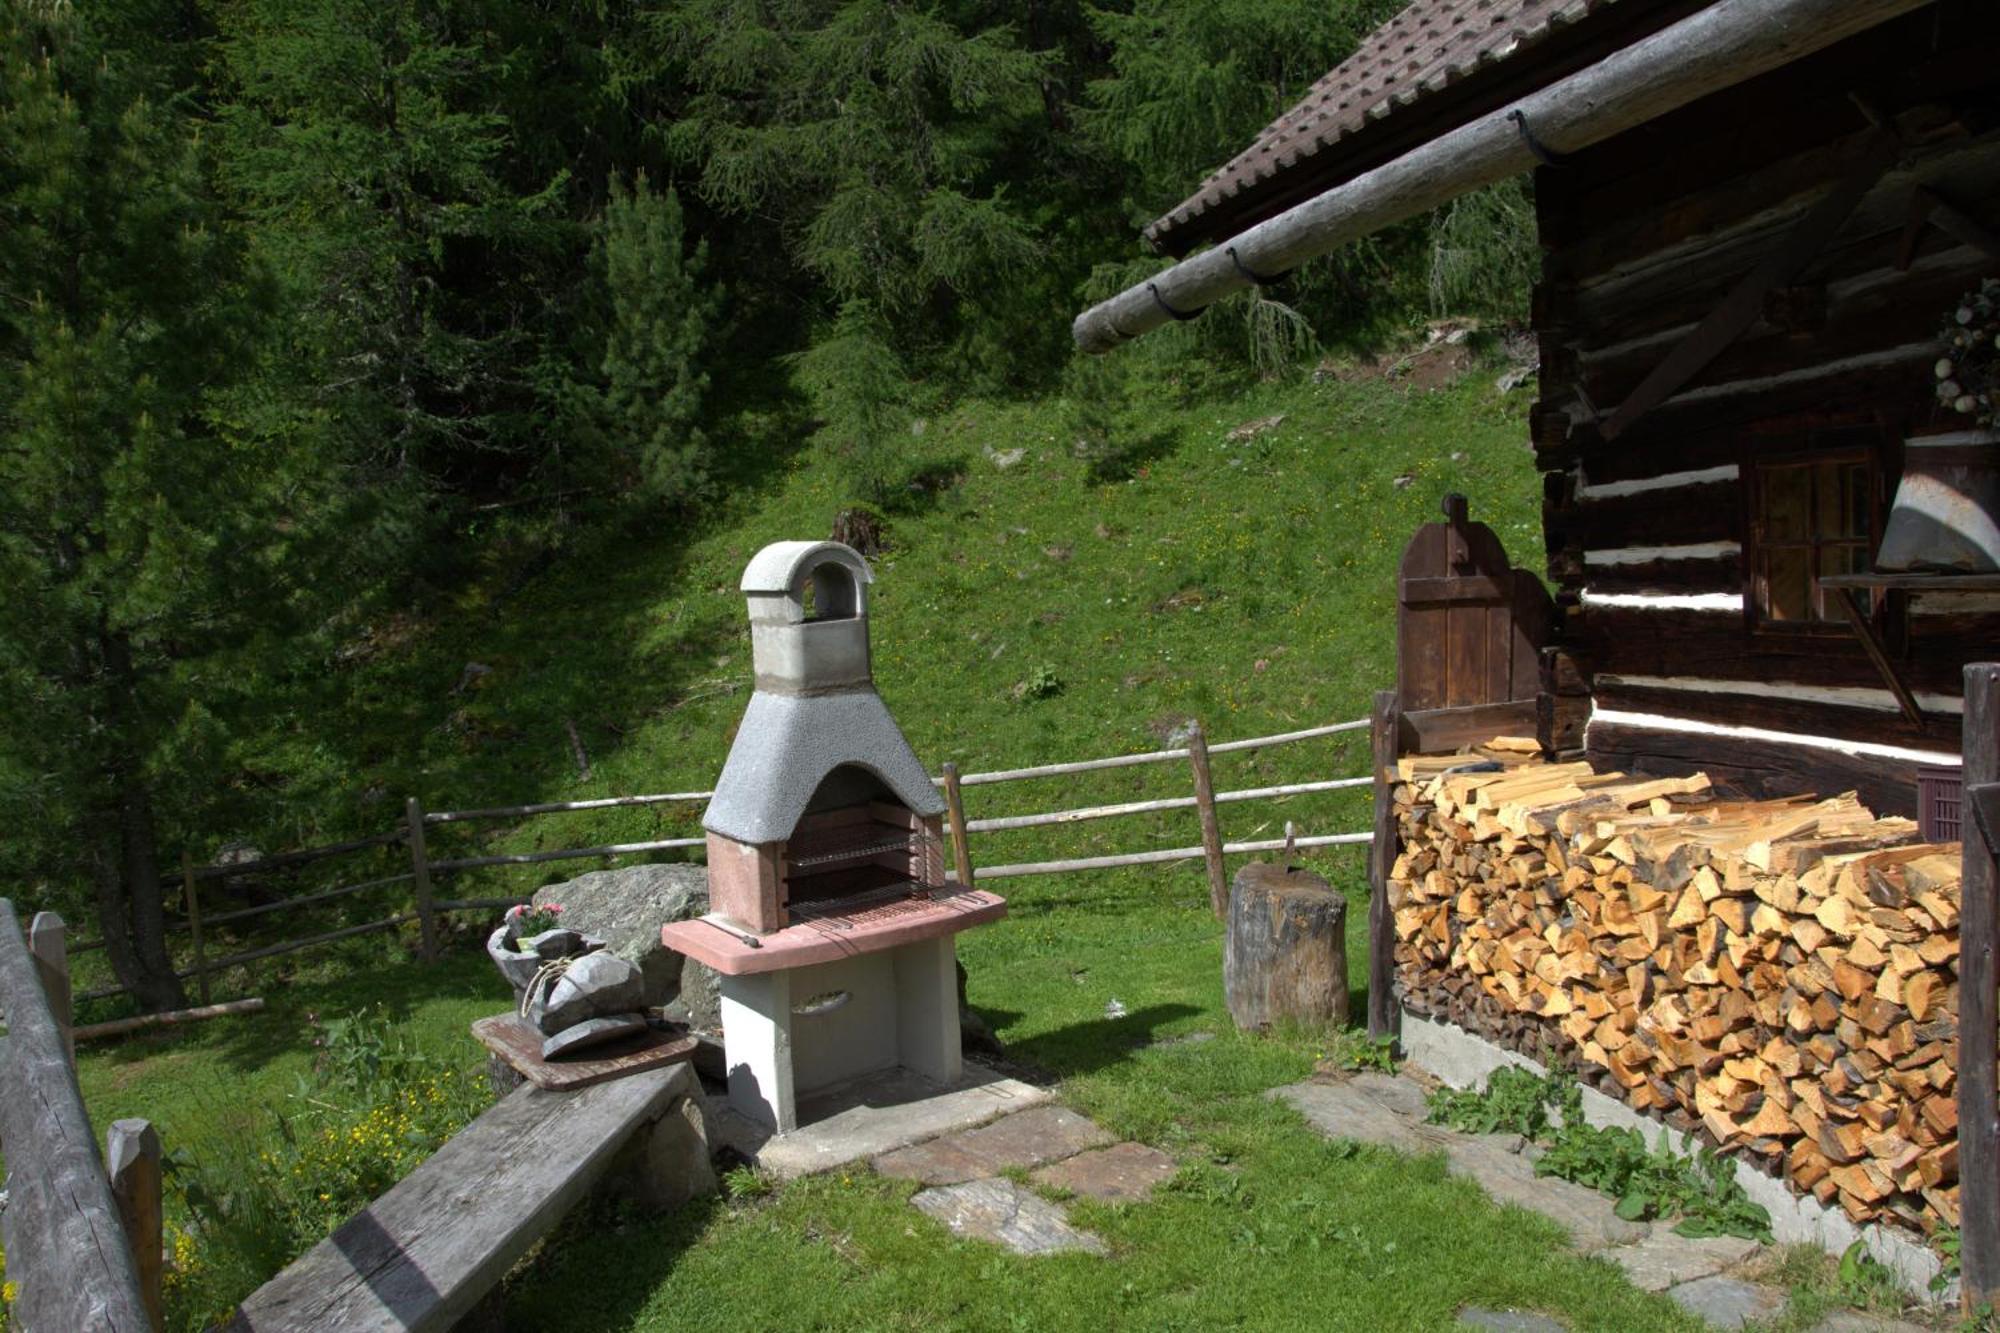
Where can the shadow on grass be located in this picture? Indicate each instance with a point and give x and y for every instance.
(395, 985)
(1127, 458)
(1083, 1048)
(602, 1264)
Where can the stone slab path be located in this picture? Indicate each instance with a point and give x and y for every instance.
(1695, 1273)
(968, 1193)
(1004, 1212)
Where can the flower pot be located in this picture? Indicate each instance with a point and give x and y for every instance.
(519, 960)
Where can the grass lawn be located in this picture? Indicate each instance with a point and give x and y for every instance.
(1246, 583)
(1267, 1226)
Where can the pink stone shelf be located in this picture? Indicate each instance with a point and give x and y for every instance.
(828, 938)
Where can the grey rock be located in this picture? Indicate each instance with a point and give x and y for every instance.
(1508, 1174)
(626, 908)
(1122, 1173)
(592, 1032)
(1727, 1302)
(595, 985)
(1507, 1321)
(1663, 1259)
(1371, 1109)
(1343, 1110)
(1029, 1138)
(1393, 1092)
(1000, 1211)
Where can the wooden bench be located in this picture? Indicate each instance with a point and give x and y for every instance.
(424, 1254)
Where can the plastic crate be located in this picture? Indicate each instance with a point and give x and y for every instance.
(1938, 803)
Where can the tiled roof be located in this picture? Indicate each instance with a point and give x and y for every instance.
(1430, 47)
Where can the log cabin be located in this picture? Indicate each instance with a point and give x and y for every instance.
(1772, 558)
(1752, 236)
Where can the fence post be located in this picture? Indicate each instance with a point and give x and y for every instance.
(954, 805)
(1384, 1017)
(1978, 1023)
(1211, 832)
(194, 923)
(132, 1160)
(45, 942)
(420, 874)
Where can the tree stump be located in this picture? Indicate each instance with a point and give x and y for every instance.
(1285, 957)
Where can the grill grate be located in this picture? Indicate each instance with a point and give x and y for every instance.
(906, 843)
(876, 905)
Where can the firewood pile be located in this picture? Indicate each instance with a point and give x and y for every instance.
(1780, 974)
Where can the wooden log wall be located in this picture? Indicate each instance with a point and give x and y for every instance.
(1644, 236)
(1778, 977)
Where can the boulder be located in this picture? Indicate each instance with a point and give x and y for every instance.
(595, 985)
(626, 908)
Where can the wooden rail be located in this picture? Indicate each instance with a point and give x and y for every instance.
(427, 907)
(1204, 801)
(68, 1255)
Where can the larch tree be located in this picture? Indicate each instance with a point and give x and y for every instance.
(142, 539)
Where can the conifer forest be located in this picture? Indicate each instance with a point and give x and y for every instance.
(309, 306)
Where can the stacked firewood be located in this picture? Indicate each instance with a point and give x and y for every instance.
(1780, 974)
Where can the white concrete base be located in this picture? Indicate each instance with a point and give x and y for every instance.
(873, 1115)
(1457, 1057)
(790, 1033)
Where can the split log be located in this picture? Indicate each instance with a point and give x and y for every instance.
(1780, 976)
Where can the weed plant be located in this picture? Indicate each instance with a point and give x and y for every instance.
(1700, 1191)
(373, 1108)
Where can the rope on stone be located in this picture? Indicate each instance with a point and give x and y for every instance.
(551, 972)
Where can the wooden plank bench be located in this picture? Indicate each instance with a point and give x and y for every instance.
(424, 1254)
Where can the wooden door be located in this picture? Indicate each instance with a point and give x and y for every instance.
(1469, 633)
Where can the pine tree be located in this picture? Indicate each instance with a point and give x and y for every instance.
(642, 408)
(368, 144)
(888, 153)
(857, 385)
(138, 536)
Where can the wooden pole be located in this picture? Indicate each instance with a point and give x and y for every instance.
(420, 875)
(65, 1244)
(954, 805)
(132, 1160)
(45, 942)
(1978, 1022)
(1211, 831)
(169, 1018)
(1384, 1017)
(1716, 48)
(194, 924)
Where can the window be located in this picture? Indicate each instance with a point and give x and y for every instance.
(1815, 516)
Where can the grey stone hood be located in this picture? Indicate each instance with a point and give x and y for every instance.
(815, 709)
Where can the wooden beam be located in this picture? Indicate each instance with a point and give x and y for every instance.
(1878, 656)
(170, 1018)
(66, 1250)
(1211, 829)
(1383, 1013)
(1978, 1021)
(45, 942)
(420, 875)
(1715, 48)
(1745, 300)
(132, 1161)
(1928, 206)
(954, 806)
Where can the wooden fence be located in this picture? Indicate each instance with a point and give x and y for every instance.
(424, 872)
(82, 1233)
